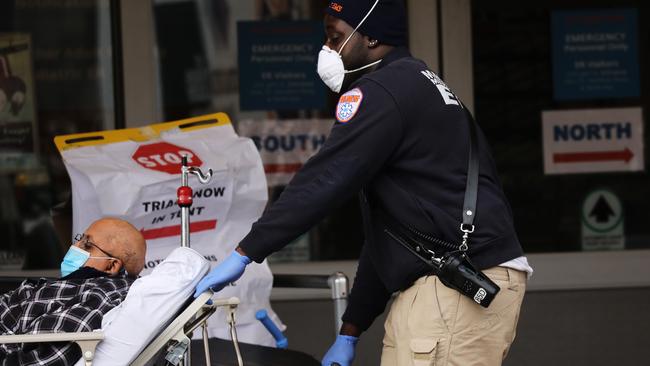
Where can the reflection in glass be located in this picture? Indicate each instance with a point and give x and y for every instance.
(56, 77)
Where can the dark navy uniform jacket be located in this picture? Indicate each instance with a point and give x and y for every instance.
(402, 137)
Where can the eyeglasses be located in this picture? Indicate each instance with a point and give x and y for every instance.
(84, 243)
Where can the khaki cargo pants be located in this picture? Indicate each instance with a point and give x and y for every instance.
(430, 324)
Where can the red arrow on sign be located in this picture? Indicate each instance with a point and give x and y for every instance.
(282, 168)
(175, 230)
(594, 156)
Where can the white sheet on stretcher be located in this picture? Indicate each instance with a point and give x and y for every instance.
(151, 303)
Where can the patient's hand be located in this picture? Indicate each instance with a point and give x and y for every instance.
(224, 273)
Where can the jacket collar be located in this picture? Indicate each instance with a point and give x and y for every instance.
(85, 273)
(394, 55)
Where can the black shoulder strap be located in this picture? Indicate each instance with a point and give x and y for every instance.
(471, 186)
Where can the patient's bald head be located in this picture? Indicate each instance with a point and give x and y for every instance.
(111, 237)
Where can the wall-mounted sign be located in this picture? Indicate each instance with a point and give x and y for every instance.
(285, 145)
(595, 54)
(277, 65)
(17, 110)
(602, 221)
(593, 140)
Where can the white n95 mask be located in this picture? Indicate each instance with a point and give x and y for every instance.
(330, 66)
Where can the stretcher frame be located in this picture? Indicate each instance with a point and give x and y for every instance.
(181, 328)
(87, 341)
(177, 335)
(195, 315)
(177, 331)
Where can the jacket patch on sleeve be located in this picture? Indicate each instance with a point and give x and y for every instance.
(348, 105)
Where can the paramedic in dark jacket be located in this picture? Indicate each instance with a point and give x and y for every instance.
(401, 142)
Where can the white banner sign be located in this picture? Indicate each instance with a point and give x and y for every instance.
(134, 174)
(593, 140)
(285, 145)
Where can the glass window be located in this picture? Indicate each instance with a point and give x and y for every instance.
(256, 61)
(532, 58)
(56, 77)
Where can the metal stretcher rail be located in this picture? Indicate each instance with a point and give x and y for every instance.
(87, 341)
(337, 282)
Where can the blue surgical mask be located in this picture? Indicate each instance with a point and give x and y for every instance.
(73, 260)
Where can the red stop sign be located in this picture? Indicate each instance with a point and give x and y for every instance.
(165, 157)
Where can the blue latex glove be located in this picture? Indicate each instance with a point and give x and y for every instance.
(224, 273)
(341, 352)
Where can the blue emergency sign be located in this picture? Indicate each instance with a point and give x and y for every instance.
(277, 65)
(595, 54)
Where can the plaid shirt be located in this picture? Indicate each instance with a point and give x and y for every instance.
(66, 305)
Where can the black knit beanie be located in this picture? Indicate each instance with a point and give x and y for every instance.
(386, 23)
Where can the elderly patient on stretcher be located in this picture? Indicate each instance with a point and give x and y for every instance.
(96, 274)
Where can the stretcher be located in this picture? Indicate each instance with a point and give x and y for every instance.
(170, 342)
(172, 321)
